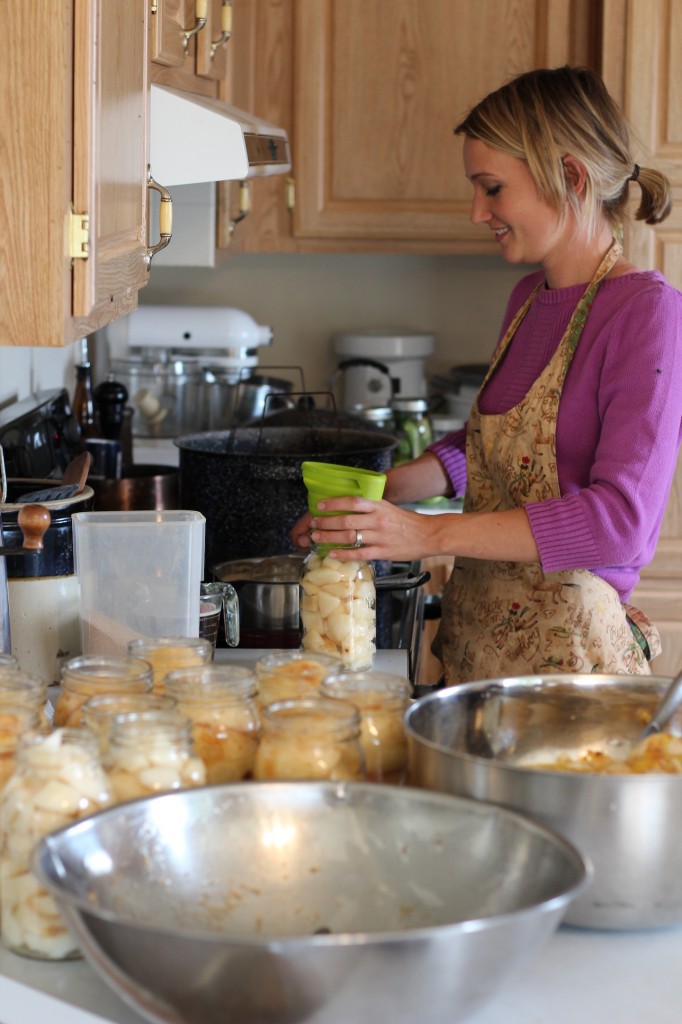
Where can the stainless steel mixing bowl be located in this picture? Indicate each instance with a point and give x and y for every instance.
(481, 739)
(287, 902)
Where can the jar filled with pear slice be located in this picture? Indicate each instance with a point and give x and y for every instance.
(58, 780)
(337, 605)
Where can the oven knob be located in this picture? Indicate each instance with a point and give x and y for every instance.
(71, 429)
(23, 457)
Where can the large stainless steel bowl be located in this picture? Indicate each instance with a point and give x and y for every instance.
(287, 902)
(481, 740)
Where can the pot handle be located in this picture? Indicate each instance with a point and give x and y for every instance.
(230, 603)
(402, 581)
(231, 615)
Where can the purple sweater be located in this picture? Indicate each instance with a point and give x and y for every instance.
(619, 424)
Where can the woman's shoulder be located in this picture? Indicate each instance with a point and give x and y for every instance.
(641, 287)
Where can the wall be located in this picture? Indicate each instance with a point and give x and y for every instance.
(305, 299)
(26, 370)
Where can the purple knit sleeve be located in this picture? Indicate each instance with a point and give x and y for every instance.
(451, 450)
(613, 517)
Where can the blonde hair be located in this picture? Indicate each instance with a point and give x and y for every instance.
(544, 115)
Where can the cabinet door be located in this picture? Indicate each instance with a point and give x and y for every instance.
(369, 93)
(378, 88)
(212, 44)
(642, 69)
(259, 79)
(110, 156)
(182, 34)
(73, 132)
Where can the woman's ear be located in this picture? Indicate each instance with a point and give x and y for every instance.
(575, 173)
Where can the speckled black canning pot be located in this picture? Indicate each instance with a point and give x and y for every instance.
(247, 481)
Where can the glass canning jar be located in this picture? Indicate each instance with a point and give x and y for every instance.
(219, 701)
(19, 687)
(58, 780)
(413, 428)
(167, 653)
(90, 674)
(151, 752)
(15, 721)
(316, 738)
(291, 675)
(381, 699)
(98, 712)
(338, 609)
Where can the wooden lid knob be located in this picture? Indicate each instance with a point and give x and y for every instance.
(33, 521)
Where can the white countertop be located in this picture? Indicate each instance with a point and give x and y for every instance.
(580, 977)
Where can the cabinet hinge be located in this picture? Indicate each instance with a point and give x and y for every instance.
(291, 193)
(154, 7)
(79, 236)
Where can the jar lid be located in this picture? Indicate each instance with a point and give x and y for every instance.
(410, 405)
(373, 413)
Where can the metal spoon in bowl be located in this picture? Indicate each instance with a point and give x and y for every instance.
(666, 709)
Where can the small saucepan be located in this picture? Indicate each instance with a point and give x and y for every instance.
(267, 589)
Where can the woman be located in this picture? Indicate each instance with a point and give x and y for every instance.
(570, 449)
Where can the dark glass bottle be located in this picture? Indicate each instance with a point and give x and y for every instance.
(83, 405)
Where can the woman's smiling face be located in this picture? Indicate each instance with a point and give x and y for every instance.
(506, 198)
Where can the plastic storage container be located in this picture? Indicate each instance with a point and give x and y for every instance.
(140, 575)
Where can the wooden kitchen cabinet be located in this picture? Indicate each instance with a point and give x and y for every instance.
(73, 166)
(642, 69)
(186, 51)
(370, 93)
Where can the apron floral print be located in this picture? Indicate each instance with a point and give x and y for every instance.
(510, 618)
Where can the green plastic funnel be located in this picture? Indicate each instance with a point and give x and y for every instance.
(327, 480)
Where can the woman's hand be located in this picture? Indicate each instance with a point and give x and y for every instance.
(300, 532)
(389, 533)
(384, 531)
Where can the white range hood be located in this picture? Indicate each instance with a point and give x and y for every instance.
(197, 139)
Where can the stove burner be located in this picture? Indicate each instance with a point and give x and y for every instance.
(39, 435)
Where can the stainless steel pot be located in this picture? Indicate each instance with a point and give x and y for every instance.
(268, 593)
(482, 739)
(167, 395)
(231, 402)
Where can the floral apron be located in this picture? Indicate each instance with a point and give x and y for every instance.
(511, 618)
